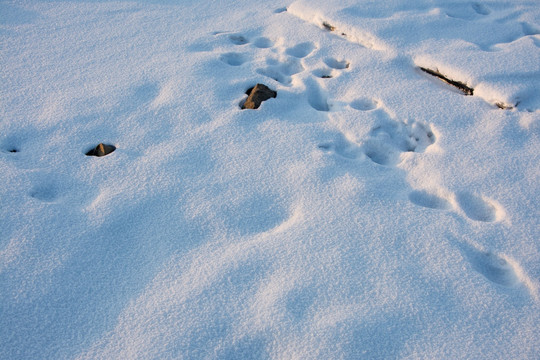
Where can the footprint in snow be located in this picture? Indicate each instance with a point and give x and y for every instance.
(478, 207)
(324, 73)
(429, 200)
(468, 12)
(342, 147)
(332, 71)
(281, 71)
(475, 207)
(364, 104)
(263, 43)
(316, 96)
(337, 64)
(238, 39)
(11, 149)
(381, 152)
(388, 140)
(495, 268)
(498, 269)
(385, 142)
(301, 50)
(10, 145)
(46, 192)
(15, 143)
(480, 9)
(275, 74)
(233, 58)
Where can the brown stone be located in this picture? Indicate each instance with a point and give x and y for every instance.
(257, 95)
(328, 27)
(101, 150)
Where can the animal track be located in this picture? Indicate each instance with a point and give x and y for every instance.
(364, 104)
(276, 75)
(324, 73)
(316, 96)
(432, 201)
(333, 64)
(263, 43)
(47, 192)
(9, 146)
(11, 149)
(282, 71)
(233, 58)
(481, 9)
(301, 50)
(380, 152)
(337, 64)
(498, 268)
(290, 67)
(388, 140)
(463, 11)
(342, 147)
(476, 207)
(495, 269)
(14, 143)
(238, 39)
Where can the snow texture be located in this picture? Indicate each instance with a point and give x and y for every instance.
(369, 211)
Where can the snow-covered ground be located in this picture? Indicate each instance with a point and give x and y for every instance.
(370, 210)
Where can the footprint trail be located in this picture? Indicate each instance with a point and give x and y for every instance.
(429, 200)
(388, 140)
(498, 268)
(479, 208)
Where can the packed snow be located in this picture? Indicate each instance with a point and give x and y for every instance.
(375, 209)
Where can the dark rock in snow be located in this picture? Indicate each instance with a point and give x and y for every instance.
(257, 95)
(328, 27)
(504, 106)
(101, 150)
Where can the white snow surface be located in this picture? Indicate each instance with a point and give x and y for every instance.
(369, 211)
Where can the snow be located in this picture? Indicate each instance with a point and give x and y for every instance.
(370, 210)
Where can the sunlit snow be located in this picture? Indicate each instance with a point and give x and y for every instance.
(371, 210)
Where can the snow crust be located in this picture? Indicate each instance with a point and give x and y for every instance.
(369, 211)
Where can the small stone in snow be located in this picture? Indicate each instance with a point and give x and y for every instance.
(257, 95)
